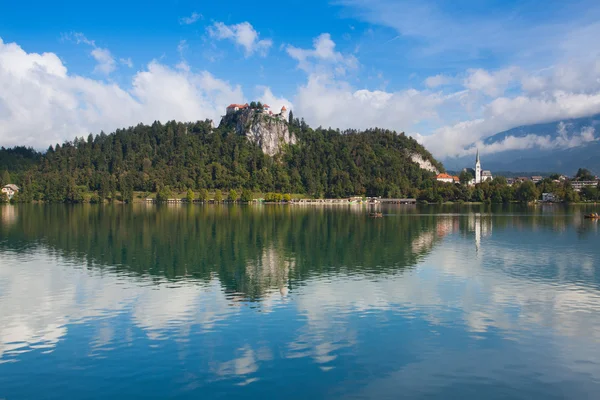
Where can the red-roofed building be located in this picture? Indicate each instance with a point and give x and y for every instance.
(236, 107)
(447, 178)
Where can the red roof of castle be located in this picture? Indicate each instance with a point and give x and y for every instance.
(283, 108)
(238, 105)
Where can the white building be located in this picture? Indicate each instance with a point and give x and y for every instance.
(10, 190)
(548, 197)
(578, 185)
(447, 178)
(236, 107)
(481, 176)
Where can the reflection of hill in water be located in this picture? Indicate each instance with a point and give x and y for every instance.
(253, 250)
(250, 249)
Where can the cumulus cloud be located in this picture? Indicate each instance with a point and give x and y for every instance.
(243, 35)
(106, 62)
(323, 52)
(275, 102)
(438, 80)
(490, 83)
(191, 19)
(328, 102)
(42, 104)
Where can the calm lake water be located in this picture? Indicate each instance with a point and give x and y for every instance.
(267, 302)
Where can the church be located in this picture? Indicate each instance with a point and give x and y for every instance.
(478, 173)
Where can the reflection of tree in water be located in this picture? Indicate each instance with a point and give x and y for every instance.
(251, 249)
(256, 249)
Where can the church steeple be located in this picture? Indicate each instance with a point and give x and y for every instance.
(477, 168)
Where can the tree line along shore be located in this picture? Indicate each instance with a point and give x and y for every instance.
(163, 161)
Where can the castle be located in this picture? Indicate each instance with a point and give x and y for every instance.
(479, 175)
(265, 109)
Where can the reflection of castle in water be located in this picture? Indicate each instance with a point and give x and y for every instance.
(270, 272)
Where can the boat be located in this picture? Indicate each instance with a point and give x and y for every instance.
(592, 216)
(376, 215)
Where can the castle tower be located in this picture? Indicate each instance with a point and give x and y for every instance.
(284, 113)
(477, 168)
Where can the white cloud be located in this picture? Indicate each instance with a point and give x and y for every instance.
(191, 19)
(327, 102)
(490, 83)
(42, 104)
(127, 62)
(505, 113)
(106, 62)
(267, 97)
(322, 53)
(243, 35)
(438, 80)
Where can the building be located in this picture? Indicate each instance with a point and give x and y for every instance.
(536, 179)
(447, 178)
(10, 190)
(477, 168)
(548, 197)
(486, 176)
(478, 174)
(236, 107)
(284, 113)
(577, 185)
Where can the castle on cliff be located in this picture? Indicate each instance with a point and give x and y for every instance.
(264, 109)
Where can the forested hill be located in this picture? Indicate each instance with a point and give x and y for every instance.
(197, 156)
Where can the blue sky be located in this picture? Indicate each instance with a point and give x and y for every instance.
(448, 73)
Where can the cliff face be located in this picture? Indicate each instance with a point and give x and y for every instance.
(268, 132)
(423, 163)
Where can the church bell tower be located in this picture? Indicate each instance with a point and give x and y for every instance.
(477, 169)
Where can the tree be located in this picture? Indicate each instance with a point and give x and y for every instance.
(287, 197)
(500, 180)
(246, 196)
(218, 196)
(465, 177)
(291, 118)
(3, 198)
(527, 192)
(232, 196)
(126, 188)
(203, 195)
(253, 105)
(584, 175)
(190, 196)
(164, 194)
(5, 178)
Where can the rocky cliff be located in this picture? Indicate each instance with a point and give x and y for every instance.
(269, 132)
(423, 163)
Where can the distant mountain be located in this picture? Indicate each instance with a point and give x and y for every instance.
(561, 146)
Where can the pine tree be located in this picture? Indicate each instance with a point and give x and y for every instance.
(5, 178)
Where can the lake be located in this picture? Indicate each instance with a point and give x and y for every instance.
(296, 302)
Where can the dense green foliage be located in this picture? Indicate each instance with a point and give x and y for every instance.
(498, 191)
(18, 159)
(179, 156)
